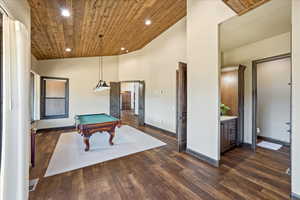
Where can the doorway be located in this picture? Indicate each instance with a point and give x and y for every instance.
(181, 102)
(127, 101)
(129, 97)
(232, 86)
(252, 47)
(272, 90)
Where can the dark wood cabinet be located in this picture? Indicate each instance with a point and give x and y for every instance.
(228, 135)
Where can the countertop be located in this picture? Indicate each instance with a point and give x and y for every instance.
(225, 118)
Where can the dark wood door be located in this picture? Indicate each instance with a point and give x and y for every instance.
(126, 100)
(182, 107)
(141, 115)
(115, 103)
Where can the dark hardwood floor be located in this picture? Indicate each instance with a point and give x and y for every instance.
(129, 118)
(163, 173)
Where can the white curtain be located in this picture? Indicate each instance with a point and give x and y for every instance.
(37, 95)
(16, 117)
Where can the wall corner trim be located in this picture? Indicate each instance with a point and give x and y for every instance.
(63, 128)
(247, 145)
(202, 157)
(164, 131)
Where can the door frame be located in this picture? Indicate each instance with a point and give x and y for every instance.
(115, 99)
(254, 95)
(142, 90)
(182, 146)
(241, 105)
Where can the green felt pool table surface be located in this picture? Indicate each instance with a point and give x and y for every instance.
(95, 119)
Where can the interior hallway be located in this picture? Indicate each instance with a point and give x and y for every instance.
(163, 173)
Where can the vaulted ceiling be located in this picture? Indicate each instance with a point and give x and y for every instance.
(122, 22)
(243, 6)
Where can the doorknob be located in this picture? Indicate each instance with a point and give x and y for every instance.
(288, 123)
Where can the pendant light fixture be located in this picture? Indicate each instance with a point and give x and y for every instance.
(102, 85)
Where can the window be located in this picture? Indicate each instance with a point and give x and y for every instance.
(54, 98)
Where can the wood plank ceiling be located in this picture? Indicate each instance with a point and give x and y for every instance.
(243, 6)
(120, 21)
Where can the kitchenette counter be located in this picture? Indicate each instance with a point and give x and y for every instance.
(225, 118)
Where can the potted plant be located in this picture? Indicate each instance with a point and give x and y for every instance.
(224, 109)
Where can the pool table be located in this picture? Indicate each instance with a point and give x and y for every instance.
(89, 124)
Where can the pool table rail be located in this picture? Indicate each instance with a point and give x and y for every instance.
(89, 129)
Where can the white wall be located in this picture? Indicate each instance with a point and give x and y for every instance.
(296, 97)
(16, 121)
(276, 45)
(83, 74)
(203, 17)
(245, 55)
(273, 99)
(19, 10)
(131, 67)
(156, 64)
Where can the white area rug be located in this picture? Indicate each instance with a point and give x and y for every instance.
(69, 152)
(269, 145)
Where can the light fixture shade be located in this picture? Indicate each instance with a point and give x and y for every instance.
(101, 86)
(104, 84)
(101, 89)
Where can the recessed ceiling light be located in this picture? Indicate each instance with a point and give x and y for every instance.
(123, 48)
(148, 22)
(68, 49)
(65, 13)
(127, 51)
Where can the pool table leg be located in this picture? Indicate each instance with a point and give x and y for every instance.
(86, 141)
(112, 135)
